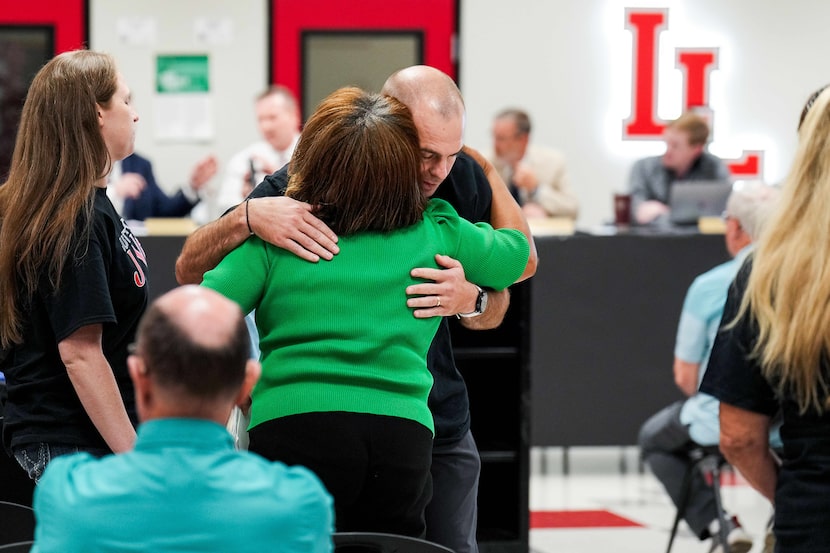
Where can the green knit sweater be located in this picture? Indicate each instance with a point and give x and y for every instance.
(337, 335)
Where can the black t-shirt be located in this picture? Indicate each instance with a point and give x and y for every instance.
(802, 497)
(107, 284)
(466, 188)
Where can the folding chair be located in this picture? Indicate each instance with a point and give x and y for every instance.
(709, 460)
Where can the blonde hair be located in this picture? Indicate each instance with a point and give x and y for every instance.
(46, 203)
(788, 292)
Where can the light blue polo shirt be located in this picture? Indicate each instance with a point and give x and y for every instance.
(696, 332)
(183, 488)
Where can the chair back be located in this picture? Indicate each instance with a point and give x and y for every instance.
(378, 542)
(17, 523)
(19, 547)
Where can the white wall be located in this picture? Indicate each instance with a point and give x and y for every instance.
(569, 65)
(238, 72)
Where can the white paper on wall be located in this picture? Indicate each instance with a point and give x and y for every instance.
(136, 30)
(213, 30)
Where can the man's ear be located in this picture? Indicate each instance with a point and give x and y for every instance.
(252, 373)
(141, 383)
(137, 369)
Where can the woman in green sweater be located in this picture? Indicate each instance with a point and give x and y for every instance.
(344, 378)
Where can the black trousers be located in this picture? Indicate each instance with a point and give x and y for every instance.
(375, 467)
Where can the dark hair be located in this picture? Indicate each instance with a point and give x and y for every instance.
(178, 361)
(519, 117)
(358, 163)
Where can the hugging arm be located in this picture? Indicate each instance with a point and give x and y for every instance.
(450, 284)
(281, 221)
(457, 295)
(505, 212)
(206, 246)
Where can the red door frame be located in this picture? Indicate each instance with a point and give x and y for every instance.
(68, 18)
(437, 20)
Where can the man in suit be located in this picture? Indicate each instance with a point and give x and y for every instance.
(136, 195)
(536, 175)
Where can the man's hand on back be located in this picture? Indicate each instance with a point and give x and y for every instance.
(291, 225)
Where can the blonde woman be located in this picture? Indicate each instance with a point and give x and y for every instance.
(72, 275)
(776, 354)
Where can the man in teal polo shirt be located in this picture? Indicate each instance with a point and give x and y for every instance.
(184, 487)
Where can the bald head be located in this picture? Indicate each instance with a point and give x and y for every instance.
(422, 87)
(205, 317)
(193, 342)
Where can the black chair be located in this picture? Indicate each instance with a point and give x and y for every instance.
(19, 547)
(377, 542)
(17, 523)
(709, 461)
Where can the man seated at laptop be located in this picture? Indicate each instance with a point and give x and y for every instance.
(685, 159)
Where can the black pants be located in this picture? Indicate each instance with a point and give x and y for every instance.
(375, 467)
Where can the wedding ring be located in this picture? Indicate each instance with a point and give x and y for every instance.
(439, 301)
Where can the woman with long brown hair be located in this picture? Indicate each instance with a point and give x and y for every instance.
(773, 351)
(72, 275)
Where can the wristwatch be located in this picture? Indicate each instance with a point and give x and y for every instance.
(481, 304)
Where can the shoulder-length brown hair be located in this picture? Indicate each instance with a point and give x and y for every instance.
(358, 163)
(58, 157)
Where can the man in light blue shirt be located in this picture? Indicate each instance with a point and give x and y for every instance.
(667, 437)
(184, 487)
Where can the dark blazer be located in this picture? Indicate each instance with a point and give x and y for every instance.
(152, 202)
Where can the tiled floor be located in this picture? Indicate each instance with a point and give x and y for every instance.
(608, 480)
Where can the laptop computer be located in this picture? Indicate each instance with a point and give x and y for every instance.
(691, 200)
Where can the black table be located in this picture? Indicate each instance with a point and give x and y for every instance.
(604, 313)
